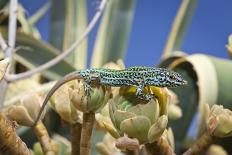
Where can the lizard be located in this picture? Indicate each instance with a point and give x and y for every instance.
(138, 76)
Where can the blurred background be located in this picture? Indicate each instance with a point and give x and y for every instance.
(208, 30)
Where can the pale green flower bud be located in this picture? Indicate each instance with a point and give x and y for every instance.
(125, 143)
(98, 97)
(157, 129)
(174, 111)
(25, 112)
(219, 121)
(169, 137)
(61, 103)
(143, 120)
(216, 149)
(107, 146)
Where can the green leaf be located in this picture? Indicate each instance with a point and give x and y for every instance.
(33, 52)
(39, 14)
(68, 22)
(209, 82)
(3, 3)
(112, 38)
(179, 27)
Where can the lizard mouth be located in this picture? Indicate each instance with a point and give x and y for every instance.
(181, 82)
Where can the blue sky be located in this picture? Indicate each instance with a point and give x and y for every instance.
(208, 31)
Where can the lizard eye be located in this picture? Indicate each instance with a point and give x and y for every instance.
(172, 77)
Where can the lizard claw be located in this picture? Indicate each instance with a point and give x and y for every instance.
(87, 89)
(149, 97)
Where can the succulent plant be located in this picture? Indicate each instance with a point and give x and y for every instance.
(216, 149)
(219, 121)
(174, 111)
(99, 95)
(144, 120)
(26, 111)
(107, 145)
(62, 104)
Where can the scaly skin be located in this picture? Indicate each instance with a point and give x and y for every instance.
(139, 77)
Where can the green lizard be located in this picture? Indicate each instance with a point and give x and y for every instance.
(139, 77)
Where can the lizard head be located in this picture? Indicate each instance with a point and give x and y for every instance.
(169, 78)
(174, 79)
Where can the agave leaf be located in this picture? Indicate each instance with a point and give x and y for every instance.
(229, 46)
(3, 3)
(113, 34)
(14, 97)
(68, 22)
(188, 104)
(179, 27)
(208, 82)
(22, 22)
(34, 52)
(39, 14)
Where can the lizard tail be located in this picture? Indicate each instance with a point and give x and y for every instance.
(67, 78)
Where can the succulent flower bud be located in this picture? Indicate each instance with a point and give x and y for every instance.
(25, 112)
(157, 128)
(61, 103)
(98, 97)
(140, 119)
(216, 149)
(107, 146)
(219, 121)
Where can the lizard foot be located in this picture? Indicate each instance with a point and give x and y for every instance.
(147, 97)
(88, 89)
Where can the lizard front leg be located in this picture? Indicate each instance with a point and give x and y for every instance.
(139, 91)
(87, 82)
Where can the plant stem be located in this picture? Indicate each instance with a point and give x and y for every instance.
(76, 137)
(201, 144)
(86, 133)
(3, 44)
(160, 147)
(44, 139)
(10, 143)
(11, 44)
(131, 152)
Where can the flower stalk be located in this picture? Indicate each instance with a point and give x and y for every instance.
(160, 147)
(201, 144)
(10, 143)
(76, 137)
(86, 132)
(44, 139)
